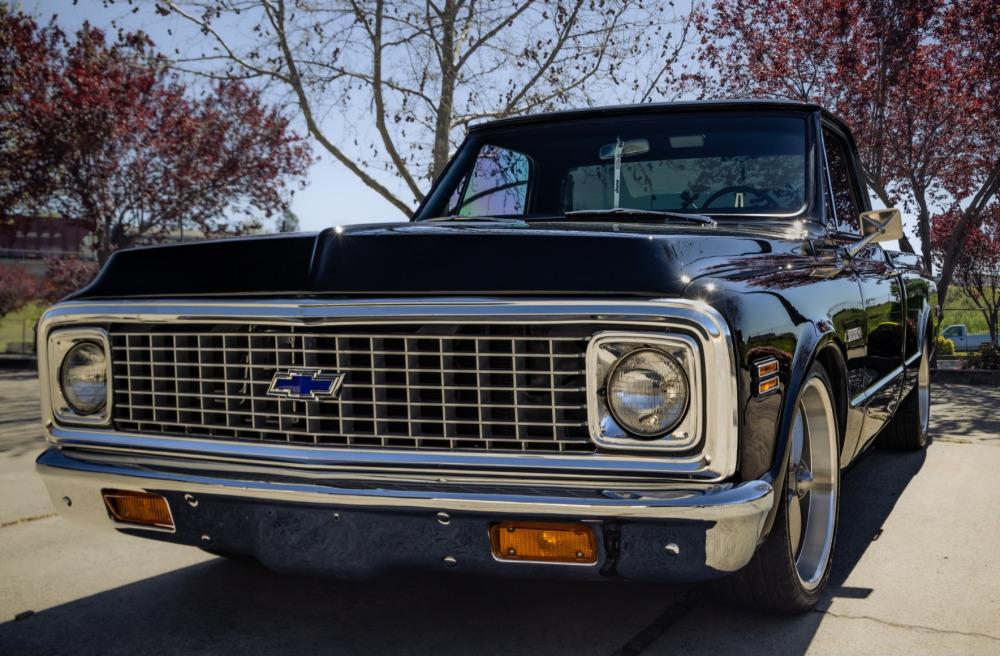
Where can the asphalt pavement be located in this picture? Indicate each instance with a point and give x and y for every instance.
(916, 571)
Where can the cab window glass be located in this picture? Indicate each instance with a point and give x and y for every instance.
(497, 184)
(844, 204)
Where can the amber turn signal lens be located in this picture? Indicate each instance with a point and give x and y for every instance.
(766, 386)
(138, 508)
(548, 543)
(767, 368)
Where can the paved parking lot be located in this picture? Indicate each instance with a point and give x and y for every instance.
(917, 571)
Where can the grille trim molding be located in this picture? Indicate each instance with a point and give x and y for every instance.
(715, 459)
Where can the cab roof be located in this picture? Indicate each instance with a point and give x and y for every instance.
(746, 104)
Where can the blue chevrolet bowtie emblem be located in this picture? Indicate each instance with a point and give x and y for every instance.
(305, 384)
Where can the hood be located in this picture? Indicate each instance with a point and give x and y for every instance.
(443, 259)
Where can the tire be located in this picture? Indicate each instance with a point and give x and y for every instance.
(907, 430)
(790, 570)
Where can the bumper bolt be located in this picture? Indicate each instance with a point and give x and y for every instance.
(207, 539)
(443, 518)
(450, 561)
(191, 500)
(671, 549)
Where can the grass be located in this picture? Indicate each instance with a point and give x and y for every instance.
(960, 309)
(17, 327)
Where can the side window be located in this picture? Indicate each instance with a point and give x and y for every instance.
(845, 205)
(497, 185)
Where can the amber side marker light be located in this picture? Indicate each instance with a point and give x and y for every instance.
(138, 508)
(767, 368)
(766, 386)
(767, 376)
(546, 543)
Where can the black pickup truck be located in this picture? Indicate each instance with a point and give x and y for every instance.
(625, 343)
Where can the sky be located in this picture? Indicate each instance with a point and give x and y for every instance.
(333, 195)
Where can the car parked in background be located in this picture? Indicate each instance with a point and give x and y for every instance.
(963, 340)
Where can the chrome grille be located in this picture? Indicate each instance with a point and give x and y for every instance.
(469, 386)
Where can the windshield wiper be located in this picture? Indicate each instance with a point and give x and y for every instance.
(637, 213)
(462, 218)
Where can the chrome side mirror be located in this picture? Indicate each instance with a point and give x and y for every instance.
(888, 224)
(877, 226)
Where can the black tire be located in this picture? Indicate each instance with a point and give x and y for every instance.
(908, 428)
(771, 580)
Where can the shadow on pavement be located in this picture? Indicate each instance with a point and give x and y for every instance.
(870, 491)
(225, 607)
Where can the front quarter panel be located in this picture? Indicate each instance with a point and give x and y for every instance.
(792, 309)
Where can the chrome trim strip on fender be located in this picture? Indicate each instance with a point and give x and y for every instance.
(716, 460)
(876, 387)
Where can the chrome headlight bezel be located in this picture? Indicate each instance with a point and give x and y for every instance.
(604, 353)
(60, 343)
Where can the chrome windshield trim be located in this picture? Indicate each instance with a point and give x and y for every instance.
(715, 461)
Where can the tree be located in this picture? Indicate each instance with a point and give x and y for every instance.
(885, 66)
(289, 221)
(64, 275)
(409, 76)
(108, 136)
(977, 268)
(972, 30)
(17, 287)
(27, 59)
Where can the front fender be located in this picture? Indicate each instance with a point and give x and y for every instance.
(803, 320)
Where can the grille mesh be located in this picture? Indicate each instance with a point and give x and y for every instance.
(467, 387)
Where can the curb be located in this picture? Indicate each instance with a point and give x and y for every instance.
(966, 376)
(18, 362)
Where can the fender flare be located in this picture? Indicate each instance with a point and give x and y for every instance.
(811, 344)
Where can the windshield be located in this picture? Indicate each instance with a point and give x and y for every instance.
(717, 164)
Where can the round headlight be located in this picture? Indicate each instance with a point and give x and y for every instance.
(648, 392)
(83, 378)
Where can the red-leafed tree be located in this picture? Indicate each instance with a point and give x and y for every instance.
(891, 68)
(64, 275)
(977, 268)
(106, 135)
(971, 28)
(17, 287)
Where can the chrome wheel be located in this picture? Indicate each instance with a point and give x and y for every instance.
(924, 390)
(813, 480)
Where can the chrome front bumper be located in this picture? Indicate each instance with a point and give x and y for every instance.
(316, 521)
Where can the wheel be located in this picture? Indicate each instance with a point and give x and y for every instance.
(907, 430)
(789, 571)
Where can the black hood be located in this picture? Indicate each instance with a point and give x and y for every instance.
(438, 259)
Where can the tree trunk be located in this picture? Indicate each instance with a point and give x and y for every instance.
(446, 100)
(924, 230)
